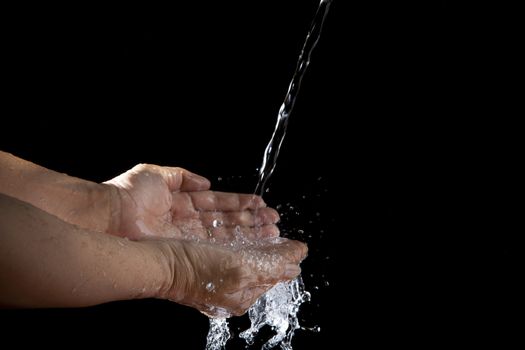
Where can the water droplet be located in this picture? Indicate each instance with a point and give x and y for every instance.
(300, 231)
(219, 178)
(210, 287)
(237, 232)
(315, 329)
(326, 283)
(217, 223)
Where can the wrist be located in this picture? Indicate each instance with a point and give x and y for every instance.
(164, 280)
(90, 206)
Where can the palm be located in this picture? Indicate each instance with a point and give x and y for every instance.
(171, 202)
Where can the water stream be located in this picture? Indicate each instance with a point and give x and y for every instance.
(279, 306)
(274, 145)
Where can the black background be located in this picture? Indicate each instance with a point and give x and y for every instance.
(380, 144)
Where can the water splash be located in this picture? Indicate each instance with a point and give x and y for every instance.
(278, 310)
(218, 335)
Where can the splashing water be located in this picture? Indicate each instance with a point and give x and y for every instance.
(279, 306)
(278, 309)
(218, 334)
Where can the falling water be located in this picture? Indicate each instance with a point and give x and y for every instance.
(274, 146)
(277, 309)
(279, 306)
(218, 334)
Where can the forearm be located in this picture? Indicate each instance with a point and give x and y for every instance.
(45, 262)
(79, 202)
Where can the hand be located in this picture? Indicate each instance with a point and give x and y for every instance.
(221, 281)
(172, 202)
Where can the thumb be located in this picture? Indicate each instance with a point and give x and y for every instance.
(179, 179)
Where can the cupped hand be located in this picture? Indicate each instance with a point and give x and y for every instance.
(151, 200)
(224, 280)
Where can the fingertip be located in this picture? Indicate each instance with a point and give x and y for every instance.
(291, 271)
(205, 184)
(268, 216)
(299, 250)
(304, 250)
(258, 202)
(194, 182)
(276, 217)
(266, 231)
(270, 231)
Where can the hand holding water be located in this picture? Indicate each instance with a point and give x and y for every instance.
(225, 280)
(151, 200)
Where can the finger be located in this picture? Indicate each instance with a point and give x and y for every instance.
(292, 251)
(225, 201)
(291, 271)
(263, 216)
(179, 179)
(240, 233)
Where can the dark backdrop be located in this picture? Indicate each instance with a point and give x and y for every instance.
(371, 164)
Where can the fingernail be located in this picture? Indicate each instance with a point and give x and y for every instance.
(196, 177)
(292, 271)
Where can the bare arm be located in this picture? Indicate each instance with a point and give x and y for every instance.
(77, 201)
(45, 262)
